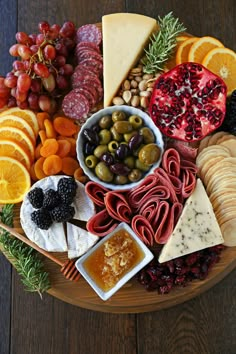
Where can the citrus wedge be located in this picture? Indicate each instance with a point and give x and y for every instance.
(201, 47)
(222, 62)
(28, 115)
(14, 180)
(171, 63)
(12, 148)
(18, 135)
(13, 121)
(183, 50)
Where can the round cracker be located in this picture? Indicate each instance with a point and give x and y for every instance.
(228, 230)
(203, 143)
(214, 137)
(225, 137)
(231, 145)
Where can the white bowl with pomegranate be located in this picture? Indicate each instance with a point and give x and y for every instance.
(114, 261)
(118, 146)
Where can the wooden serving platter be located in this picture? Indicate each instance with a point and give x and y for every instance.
(132, 298)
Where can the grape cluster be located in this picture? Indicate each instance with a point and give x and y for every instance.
(42, 69)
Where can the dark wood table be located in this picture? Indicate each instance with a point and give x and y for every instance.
(206, 324)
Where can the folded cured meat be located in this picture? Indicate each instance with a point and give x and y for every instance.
(117, 206)
(96, 192)
(101, 223)
(165, 221)
(171, 162)
(143, 229)
(188, 176)
(164, 180)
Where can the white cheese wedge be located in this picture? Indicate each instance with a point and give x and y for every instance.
(125, 35)
(54, 239)
(79, 240)
(196, 229)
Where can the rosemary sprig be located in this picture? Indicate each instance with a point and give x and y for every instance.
(162, 44)
(24, 258)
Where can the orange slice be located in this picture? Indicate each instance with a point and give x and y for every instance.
(171, 63)
(222, 62)
(183, 50)
(28, 115)
(13, 121)
(201, 47)
(14, 149)
(14, 180)
(18, 135)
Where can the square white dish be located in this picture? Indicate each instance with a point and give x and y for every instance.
(146, 258)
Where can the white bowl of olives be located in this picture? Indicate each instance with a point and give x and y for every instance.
(118, 146)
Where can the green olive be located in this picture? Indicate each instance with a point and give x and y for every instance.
(128, 136)
(129, 161)
(135, 175)
(99, 150)
(118, 115)
(105, 122)
(113, 146)
(104, 136)
(91, 161)
(121, 179)
(103, 172)
(115, 135)
(141, 166)
(136, 121)
(148, 136)
(136, 152)
(149, 154)
(123, 127)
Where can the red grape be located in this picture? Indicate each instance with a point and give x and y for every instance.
(41, 70)
(3, 102)
(33, 38)
(54, 31)
(60, 60)
(36, 85)
(14, 50)
(21, 96)
(62, 82)
(11, 81)
(40, 39)
(44, 103)
(66, 70)
(68, 29)
(49, 52)
(11, 102)
(34, 48)
(22, 105)
(49, 83)
(24, 52)
(43, 27)
(23, 82)
(33, 100)
(18, 65)
(22, 37)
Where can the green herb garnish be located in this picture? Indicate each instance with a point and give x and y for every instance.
(162, 44)
(24, 258)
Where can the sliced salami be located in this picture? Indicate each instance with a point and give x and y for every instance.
(143, 229)
(88, 54)
(96, 192)
(87, 45)
(93, 64)
(75, 105)
(89, 33)
(171, 162)
(85, 90)
(101, 223)
(80, 75)
(117, 206)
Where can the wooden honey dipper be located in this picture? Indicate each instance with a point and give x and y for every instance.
(68, 267)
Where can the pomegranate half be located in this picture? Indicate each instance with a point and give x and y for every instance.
(188, 102)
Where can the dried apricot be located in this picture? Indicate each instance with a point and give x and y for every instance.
(50, 147)
(65, 126)
(69, 165)
(49, 129)
(42, 135)
(52, 165)
(38, 168)
(41, 116)
(64, 147)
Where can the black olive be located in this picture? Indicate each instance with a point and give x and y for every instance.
(107, 158)
(91, 136)
(122, 151)
(120, 169)
(89, 148)
(135, 141)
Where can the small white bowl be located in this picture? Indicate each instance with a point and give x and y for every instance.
(146, 258)
(93, 120)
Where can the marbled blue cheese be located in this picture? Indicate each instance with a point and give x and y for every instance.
(196, 229)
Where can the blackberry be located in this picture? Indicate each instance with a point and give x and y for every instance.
(62, 213)
(42, 218)
(36, 197)
(51, 199)
(67, 189)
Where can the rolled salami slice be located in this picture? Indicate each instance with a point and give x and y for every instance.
(141, 226)
(137, 193)
(75, 105)
(166, 220)
(96, 192)
(89, 33)
(171, 162)
(101, 223)
(189, 183)
(159, 192)
(185, 150)
(164, 180)
(149, 208)
(117, 206)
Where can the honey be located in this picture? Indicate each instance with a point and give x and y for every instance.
(113, 259)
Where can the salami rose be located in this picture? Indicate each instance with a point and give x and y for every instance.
(117, 206)
(171, 162)
(101, 223)
(143, 229)
(96, 192)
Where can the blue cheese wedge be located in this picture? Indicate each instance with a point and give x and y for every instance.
(196, 229)
(54, 239)
(79, 240)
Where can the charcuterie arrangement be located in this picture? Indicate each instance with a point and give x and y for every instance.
(131, 121)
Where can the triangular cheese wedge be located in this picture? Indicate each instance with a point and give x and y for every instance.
(79, 240)
(125, 36)
(196, 229)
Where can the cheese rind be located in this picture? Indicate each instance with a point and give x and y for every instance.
(196, 229)
(125, 35)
